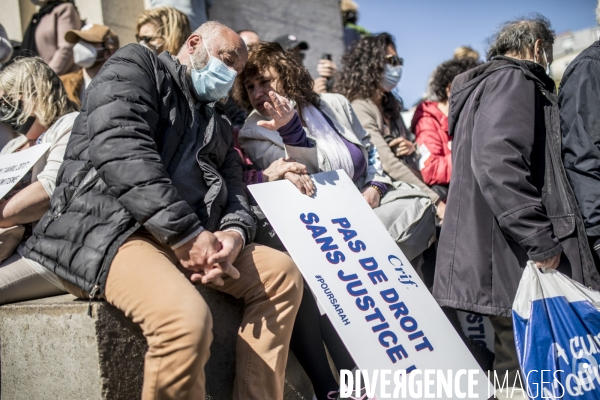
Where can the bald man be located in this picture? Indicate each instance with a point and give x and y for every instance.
(150, 202)
(249, 37)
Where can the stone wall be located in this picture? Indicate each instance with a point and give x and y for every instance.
(52, 350)
(317, 22)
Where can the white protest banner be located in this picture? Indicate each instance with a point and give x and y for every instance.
(14, 166)
(477, 327)
(383, 312)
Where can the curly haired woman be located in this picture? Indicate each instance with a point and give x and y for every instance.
(321, 131)
(370, 71)
(430, 123)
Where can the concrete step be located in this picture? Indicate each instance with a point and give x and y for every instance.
(51, 349)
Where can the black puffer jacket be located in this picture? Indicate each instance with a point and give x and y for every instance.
(125, 146)
(509, 198)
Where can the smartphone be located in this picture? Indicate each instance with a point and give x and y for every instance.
(326, 56)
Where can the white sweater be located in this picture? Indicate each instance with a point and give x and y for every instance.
(46, 169)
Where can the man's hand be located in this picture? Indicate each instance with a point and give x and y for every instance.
(221, 262)
(372, 196)
(326, 68)
(281, 111)
(551, 262)
(302, 182)
(320, 85)
(279, 167)
(402, 147)
(440, 210)
(194, 254)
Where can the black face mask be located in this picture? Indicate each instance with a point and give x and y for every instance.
(6, 110)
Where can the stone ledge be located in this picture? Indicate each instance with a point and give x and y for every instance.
(51, 349)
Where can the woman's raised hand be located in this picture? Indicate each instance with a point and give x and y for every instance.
(281, 111)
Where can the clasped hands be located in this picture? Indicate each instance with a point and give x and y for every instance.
(206, 257)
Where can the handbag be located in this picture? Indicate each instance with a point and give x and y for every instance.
(409, 217)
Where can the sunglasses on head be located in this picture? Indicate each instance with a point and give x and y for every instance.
(394, 61)
(146, 39)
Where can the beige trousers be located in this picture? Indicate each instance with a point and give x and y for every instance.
(19, 281)
(9, 240)
(146, 285)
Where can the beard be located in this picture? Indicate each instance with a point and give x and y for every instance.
(198, 59)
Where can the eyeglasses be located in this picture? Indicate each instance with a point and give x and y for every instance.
(147, 39)
(393, 60)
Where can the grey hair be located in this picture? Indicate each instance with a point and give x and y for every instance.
(207, 31)
(210, 30)
(519, 36)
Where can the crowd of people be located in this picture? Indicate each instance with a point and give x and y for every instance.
(143, 191)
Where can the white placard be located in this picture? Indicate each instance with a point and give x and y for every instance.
(14, 166)
(477, 327)
(382, 310)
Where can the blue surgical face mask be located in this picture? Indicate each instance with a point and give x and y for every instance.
(391, 76)
(214, 81)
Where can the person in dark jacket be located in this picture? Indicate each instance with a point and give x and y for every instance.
(149, 197)
(579, 101)
(509, 199)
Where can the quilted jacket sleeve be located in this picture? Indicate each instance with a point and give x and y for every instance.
(122, 102)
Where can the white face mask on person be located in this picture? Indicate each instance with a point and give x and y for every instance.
(545, 60)
(391, 76)
(214, 81)
(84, 54)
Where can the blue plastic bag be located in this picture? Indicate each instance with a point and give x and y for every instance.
(557, 330)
